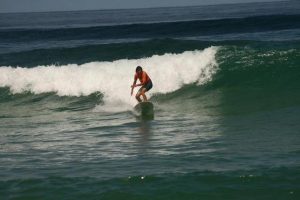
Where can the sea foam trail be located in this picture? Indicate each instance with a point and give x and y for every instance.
(168, 72)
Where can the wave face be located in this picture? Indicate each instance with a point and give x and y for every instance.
(256, 78)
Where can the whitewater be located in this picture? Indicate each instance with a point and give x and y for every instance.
(169, 72)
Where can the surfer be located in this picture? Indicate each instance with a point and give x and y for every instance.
(145, 82)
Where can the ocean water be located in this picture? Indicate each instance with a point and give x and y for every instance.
(226, 97)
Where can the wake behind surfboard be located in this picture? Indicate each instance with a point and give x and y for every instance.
(145, 110)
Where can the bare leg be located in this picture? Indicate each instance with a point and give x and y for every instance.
(137, 96)
(143, 94)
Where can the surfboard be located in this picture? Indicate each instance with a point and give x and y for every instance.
(145, 110)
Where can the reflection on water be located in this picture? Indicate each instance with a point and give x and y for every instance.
(145, 131)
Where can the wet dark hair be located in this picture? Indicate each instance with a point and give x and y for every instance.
(138, 68)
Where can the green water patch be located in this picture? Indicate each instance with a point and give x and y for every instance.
(249, 79)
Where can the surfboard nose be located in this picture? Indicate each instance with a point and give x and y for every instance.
(145, 110)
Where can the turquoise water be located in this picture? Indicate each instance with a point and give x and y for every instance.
(226, 101)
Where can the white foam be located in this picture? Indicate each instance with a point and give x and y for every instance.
(169, 72)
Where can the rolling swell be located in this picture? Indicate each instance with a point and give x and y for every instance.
(101, 52)
(156, 30)
(130, 50)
